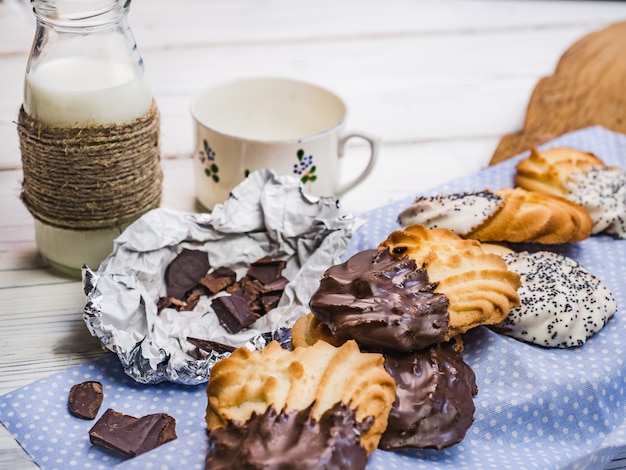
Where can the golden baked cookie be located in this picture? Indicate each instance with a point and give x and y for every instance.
(582, 178)
(529, 216)
(308, 330)
(479, 287)
(504, 215)
(547, 171)
(249, 382)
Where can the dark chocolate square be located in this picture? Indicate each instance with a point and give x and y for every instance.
(266, 270)
(234, 312)
(130, 436)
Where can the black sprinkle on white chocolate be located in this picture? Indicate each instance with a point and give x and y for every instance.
(602, 191)
(562, 304)
(459, 212)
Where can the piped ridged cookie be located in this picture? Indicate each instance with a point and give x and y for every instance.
(547, 171)
(504, 215)
(582, 178)
(481, 290)
(321, 376)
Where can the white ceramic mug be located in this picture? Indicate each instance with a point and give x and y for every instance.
(288, 126)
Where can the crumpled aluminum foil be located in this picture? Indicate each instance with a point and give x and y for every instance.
(265, 215)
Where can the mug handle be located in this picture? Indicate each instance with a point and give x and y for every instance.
(374, 142)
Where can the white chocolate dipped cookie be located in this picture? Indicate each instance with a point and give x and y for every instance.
(562, 303)
(458, 212)
(504, 215)
(602, 191)
(582, 178)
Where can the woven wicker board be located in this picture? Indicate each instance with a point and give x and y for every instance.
(588, 88)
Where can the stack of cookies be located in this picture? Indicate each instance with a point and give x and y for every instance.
(562, 196)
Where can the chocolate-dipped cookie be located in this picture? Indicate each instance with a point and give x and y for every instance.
(382, 302)
(434, 404)
(290, 440)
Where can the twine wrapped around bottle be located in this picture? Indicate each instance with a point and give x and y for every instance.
(93, 177)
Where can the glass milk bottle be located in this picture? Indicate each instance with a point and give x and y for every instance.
(88, 131)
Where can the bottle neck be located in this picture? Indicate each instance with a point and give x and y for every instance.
(81, 15)
(84, 65)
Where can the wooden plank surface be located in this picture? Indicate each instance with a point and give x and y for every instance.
(587, 88)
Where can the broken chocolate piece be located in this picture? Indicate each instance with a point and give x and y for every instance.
(163, 302)
(130, 436)
(233, 312)
(210, 346)
(219, 279)
(192, 299)
(291, 440)
(276, 286)
(85, 399)
(250, 290)
(183, 272)
(266, 270)
(269, 301)
(188, 278)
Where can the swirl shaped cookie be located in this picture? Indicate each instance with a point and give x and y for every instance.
(582, 178)
(504, 215)
(562, 303)
(547, 171)
(248, 382)
(480, 289)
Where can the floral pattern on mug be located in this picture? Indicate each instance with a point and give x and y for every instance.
(207, 158)
(305, 167)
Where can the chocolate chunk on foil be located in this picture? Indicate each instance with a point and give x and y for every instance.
(218, 279)
(183, 272)
(266, 270)
(276, 286)
(210, 346)
(130, 436)
(234, 312)
(85, 399)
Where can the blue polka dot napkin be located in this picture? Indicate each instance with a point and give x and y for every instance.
(535, 408)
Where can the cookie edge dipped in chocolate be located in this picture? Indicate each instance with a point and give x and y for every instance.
(382, 302)
(298, 441)
(434, 406)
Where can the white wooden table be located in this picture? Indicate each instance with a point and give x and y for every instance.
(440, 81)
